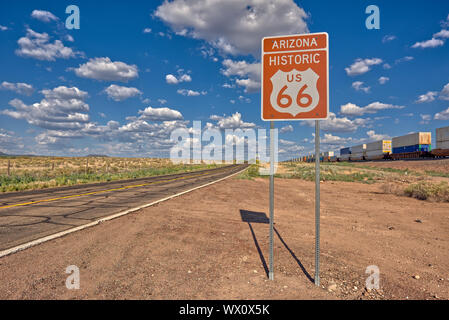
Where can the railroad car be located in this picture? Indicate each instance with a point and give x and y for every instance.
(378, 150)
(411, 146)
(442, 143)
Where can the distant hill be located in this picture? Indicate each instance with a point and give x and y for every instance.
(97, 155)
(3, 154)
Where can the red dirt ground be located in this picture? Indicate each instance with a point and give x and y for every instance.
(197, 247)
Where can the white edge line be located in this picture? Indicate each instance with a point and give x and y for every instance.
(107, 218)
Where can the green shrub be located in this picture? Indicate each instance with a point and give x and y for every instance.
(251, 172)
(428, 190)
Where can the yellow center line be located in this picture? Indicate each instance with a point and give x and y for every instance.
(101, 191)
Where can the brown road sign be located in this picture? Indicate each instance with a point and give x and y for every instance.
(295, 77)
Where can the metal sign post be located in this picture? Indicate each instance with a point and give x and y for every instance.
(271, 271)
(317, 202)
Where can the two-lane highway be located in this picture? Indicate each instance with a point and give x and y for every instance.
(27, 216)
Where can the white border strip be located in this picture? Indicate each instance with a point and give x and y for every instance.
(107, 218)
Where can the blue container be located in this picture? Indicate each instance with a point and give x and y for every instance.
(345, 151)
(414, 148)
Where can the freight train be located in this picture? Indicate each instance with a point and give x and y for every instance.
(411, 146)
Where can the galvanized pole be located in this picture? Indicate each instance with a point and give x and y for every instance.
(271, 271)
(317, 202)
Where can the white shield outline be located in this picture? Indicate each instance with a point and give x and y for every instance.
(308, 77)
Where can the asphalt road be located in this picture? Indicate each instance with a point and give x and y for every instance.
(27, 216)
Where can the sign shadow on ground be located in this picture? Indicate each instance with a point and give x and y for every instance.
(260, 217)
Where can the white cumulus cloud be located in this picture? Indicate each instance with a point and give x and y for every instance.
(354, 110)
(361, 66)
(425, 118)
(444, 94)
(62, 108)
(432, 95)
(336, 124)
(190, 93)
(358, 85)
(38, 46)
(287, 128)
(172, 79)
(333, 140)
(388, 38)
(232, 122)
(442, 115)
(247, 74)
(233, 26)
(45, 16)
(160, 114)
(442, 34)
(383, 80)
(119, 93)
(20, 88)
(432, 43)
(373, 136)
(105, 69)
(428, 97)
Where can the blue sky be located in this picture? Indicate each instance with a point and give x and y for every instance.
(136, 70)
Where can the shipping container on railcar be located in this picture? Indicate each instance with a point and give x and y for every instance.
(413, 145)
(442, 142)
(358, 152)
(378, 149)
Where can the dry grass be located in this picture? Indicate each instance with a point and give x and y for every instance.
(26, 173)
(401, 182)
(335, 172)
(428, 191)
(422, 190)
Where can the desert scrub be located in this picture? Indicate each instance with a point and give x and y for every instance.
(392, 188)
(40, 179)
(368, 167)
(251, 172)
(437, 174)
(428, 191)
(332, 173)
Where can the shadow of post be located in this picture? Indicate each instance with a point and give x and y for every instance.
(260, 217)
(256, 217)
(294, 257)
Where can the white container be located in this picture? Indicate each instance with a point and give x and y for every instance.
(374, 157)
(412, 139)
(344, 157)
(442, 145)
(357, 156)
(358, 149)
(384, 145)
(375, 154)
(376, 145)
(442, 134)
